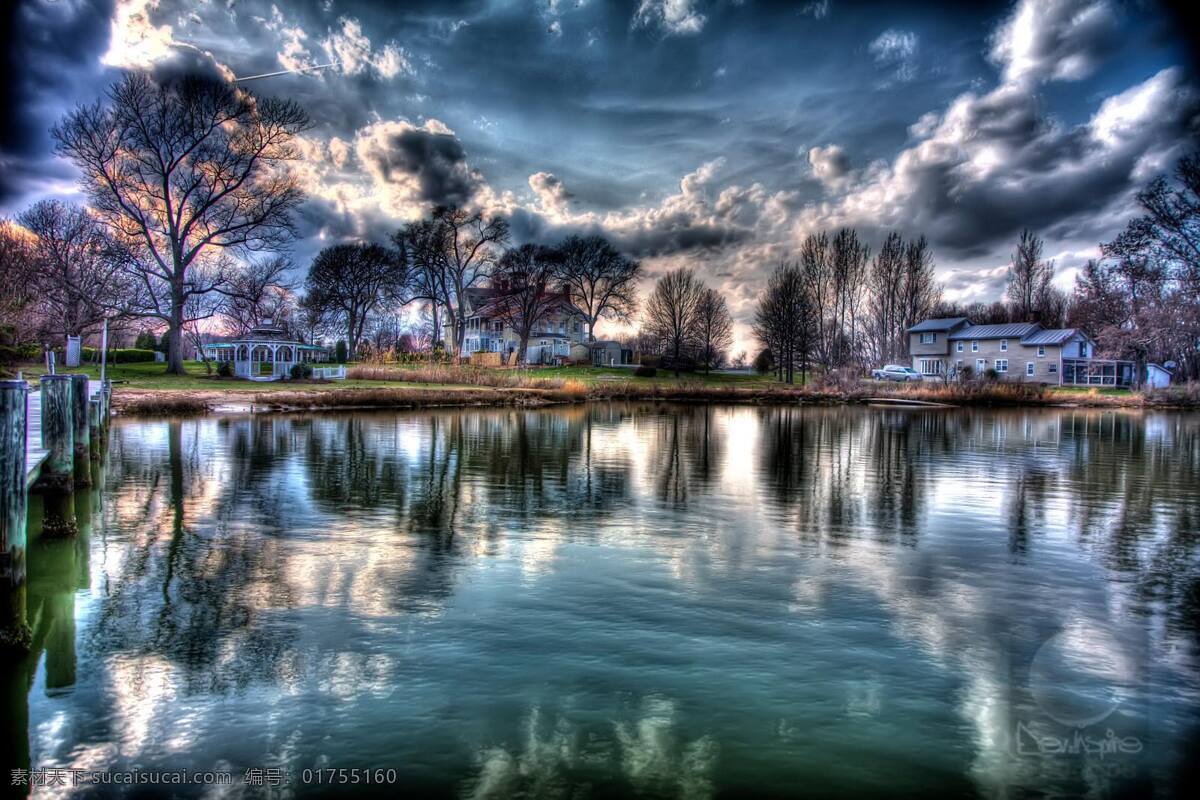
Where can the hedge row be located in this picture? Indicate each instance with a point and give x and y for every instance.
(32, 352)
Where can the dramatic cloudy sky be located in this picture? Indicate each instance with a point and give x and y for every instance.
(712, 133)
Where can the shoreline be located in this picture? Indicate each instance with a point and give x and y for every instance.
(175, 402)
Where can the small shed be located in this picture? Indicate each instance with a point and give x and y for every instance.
(265, 353)
(1158, 376)
(610, 354)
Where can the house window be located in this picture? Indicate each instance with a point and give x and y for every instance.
(928, 338)
(958, 364)
(1001, 365)
(1041, 351)
(1052, 369)
(974, 347)
(931, 366)
(1029, 368)
(1004, 345)
(959, 347)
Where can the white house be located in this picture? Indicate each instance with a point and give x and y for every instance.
(561, 329)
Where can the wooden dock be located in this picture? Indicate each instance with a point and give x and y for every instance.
(35, 454)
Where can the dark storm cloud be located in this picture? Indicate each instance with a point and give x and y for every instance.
(51, 58)
(429, 165)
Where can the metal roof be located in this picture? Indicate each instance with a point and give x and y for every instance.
(942, 324)
(1051, 336)
(1011, 330)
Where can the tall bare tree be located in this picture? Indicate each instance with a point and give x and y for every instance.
(351, 281)
(78, 273)
(786, 322)
(183, 168)
(456, 252)
(523, 284)
(18, 317)
(714, 329)
(672, 314)
(1029, 277)
(603, 282)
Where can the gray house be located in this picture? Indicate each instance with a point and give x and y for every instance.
(1017, 351)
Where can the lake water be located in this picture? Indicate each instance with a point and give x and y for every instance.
(627, 600)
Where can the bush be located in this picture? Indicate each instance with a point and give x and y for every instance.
(764, 362)
(644, 371)
(340, 352)
(225, 369)
(15, 354)
(991, 374)
(301, 371)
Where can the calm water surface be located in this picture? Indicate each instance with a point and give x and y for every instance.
(626, 600)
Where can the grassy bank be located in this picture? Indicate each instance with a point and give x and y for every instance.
(146, 389)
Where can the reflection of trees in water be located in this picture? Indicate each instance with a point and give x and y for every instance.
(836, 470)
(1134, 482)
(688, 453)
(192, 583)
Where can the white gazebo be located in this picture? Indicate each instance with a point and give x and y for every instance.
(267, 354)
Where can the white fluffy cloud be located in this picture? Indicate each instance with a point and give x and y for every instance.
(896, 51)
(137, 42)
(552, 195)
(672, 17)
(1053, 39)
(830, 164)
(350, 49)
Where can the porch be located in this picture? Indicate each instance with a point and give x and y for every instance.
(1097, 372)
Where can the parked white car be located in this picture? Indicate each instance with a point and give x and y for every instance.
(895, 372)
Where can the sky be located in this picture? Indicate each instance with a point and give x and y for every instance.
(713, 134)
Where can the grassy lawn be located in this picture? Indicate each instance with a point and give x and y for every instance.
(153, 376)
(1108, 390)
(608, 374)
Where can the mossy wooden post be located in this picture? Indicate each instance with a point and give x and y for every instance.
(81, 435)
(12, 480)
(95, 425)
(58, 433)
(14, 631)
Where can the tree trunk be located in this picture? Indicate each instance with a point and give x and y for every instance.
(523, 352)
(175, 330)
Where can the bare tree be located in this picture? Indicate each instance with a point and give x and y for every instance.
(672, 313)
(257, 292)
(901, 291)
(835, 272)
(78, 270)
(351, 281)
(1029, 277)
(453, 253)
(714, 329)
(18, 318)
(184, 168)
(603, 282)
(424, 241)
(522, 284)
(786, 322)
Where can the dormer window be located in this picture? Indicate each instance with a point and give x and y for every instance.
(928, 338)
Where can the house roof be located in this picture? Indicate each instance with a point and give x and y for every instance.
(1051, 336)
(941, 324)
(1011, 330)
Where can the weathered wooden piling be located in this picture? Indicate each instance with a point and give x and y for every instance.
(14, 631)
(13, 406)
(82, 433)
(58, 433)
(96, 426)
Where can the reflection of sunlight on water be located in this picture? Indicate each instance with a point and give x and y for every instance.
(139, 688)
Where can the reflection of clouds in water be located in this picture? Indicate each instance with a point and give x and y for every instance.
(654, 757)
(649, 751)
